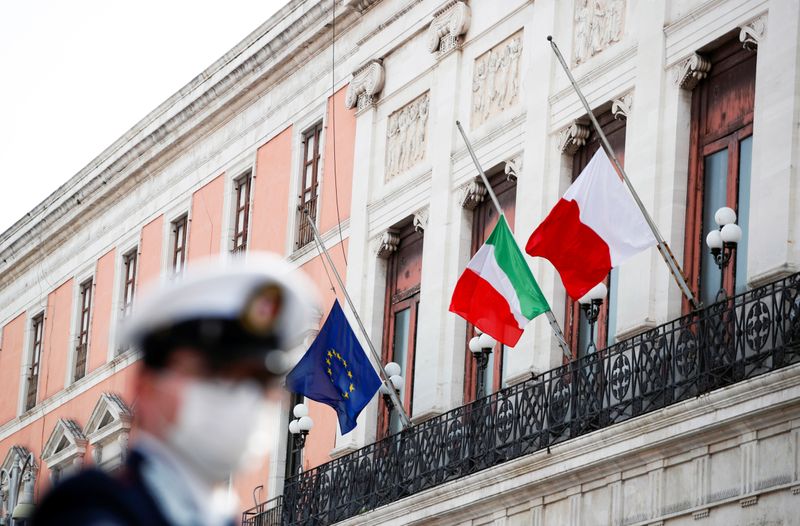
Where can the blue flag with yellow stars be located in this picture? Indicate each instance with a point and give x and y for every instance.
(336, 371)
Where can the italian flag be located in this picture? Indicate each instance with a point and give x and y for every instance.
(594, 227)
(497, 292)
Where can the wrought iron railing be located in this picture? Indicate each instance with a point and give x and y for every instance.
(265, 514)
(733, 340)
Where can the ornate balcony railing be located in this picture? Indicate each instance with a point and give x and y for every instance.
(265, 514)
(733, 340)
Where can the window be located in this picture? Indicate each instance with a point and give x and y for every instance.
(129, 285)
(577, 326)
(179, 228)
(400, 318)
(309, 186)
(37, 329)
(242, 212)
(719, 166)
(484, 220)
(82, 346)
(294, 455)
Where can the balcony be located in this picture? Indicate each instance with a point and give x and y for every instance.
(727, 342)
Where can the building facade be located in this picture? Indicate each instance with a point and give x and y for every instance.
(347, 115)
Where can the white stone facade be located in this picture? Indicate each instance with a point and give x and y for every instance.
(734, 453)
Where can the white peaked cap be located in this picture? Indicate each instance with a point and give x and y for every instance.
(221, 290)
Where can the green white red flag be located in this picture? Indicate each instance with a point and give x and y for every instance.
(497, 292)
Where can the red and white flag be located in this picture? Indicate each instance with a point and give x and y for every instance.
(596, 226)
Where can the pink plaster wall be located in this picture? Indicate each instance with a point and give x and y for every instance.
(206, 225)
(11, 356)
(343, 121)
(56, 344)
(150, 252)
(102, 307)
(271, 194)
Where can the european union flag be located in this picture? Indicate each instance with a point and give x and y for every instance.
(336, 371)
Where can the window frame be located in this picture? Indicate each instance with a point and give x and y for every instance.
(303, 232)
(242, 193)
(395, 301)
(34, 362)
(179, 244)
(484, 214)
(726, 57)
(85, 298)
(616, 130)
(129, 280)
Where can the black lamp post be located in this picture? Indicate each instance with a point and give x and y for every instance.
(590, 304)
(723, 242)
(481, 347)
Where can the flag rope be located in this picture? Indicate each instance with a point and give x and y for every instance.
(669, 258)
(554, 326)
(401, 411)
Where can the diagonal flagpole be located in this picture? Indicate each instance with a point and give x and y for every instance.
(663, 248)
(404, 419)
(557, 332)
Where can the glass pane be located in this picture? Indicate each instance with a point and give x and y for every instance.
(310, 149)
(402, 321)
(743, 211)
(489, 378)
(583, 333)
(613, 282)
(714, 197)
(504, 367)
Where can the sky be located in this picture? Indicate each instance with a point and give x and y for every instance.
(76, 75)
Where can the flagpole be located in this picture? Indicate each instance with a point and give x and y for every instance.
(666, 253)
(404, 419)
(556, 328)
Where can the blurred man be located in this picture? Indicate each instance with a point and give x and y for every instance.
(213, 350)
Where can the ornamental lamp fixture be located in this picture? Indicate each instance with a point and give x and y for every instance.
(481, 347)
(590, 304)
(301, 425)
(722, 242)
(394, 371)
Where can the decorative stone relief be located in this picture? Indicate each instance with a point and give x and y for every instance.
(387, 244)
(447, 26)
(691, 71)
(473, 193)
(513, 167)
(621, 107)
(752, 32)
(572, 138)
(420, 220)
(366, 84)
(407, 136)
(598, 24)
(495, 81)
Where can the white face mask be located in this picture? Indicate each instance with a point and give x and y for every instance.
(220, 426)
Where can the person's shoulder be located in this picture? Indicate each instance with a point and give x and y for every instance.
(94, 498)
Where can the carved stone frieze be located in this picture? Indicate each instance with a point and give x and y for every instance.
(572, 138)
(752, 32)
(420, 219)
(691, 71)
(366, 84)
(407, 136)
(472, 194)
(495, 81)
(621, 107)
(387, 244)
(598, 24)
(447, 26)
(513, 167)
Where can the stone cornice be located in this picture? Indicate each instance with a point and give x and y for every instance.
(296, 31)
